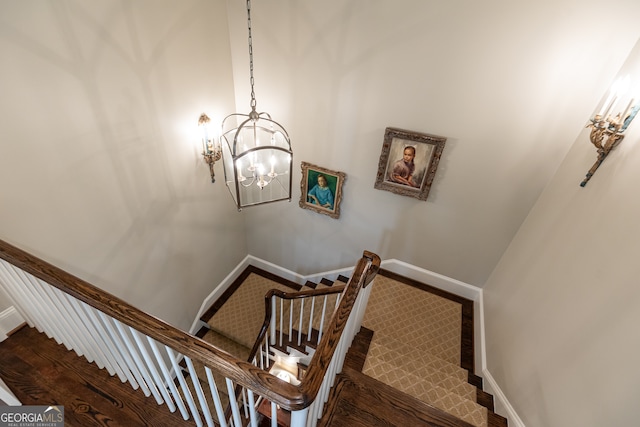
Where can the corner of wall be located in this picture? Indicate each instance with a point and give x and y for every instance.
(10, 319)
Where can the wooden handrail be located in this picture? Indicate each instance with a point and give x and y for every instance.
(238, 370)
(243, 373)
(321, 359)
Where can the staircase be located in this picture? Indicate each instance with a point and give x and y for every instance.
(152, 357)
(416, 353)
(283, 377)
(289, 320)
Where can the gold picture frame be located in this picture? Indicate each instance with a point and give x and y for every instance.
(408, 162)
(321, 189)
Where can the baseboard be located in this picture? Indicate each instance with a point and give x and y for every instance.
(10, 319)
(502, 404)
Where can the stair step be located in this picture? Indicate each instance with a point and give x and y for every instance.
(359, 400)
(240, 318)
(464, 408)
(309, 285)
(409, 352)
(380, 356)
(397, 376)
(227, 344)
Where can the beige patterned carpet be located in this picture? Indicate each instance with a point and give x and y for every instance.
(241, 316)
(416, 344)
(416, 348)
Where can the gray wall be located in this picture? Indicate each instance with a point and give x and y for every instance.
(510, 84)
(562, 307)
(100, 172)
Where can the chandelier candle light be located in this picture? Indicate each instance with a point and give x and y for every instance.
(616, 113)
(256, 152)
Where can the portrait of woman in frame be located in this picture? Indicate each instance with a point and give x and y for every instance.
(321, 189)
(408, 162)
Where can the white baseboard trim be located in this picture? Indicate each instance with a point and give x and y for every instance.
(218, 291)
(502, 404)
(10, 319)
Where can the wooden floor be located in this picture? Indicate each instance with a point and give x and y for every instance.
(41, 372)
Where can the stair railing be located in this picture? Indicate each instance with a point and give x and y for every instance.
(305, 319)
(145, 351)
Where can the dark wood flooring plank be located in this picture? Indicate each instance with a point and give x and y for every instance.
(41, 372)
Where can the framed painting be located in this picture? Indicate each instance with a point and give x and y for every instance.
(321, 189)
(408, 162)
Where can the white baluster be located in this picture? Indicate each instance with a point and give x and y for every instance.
(299, 418)
(311, 313)
(253, 417)
(217, 403)
(300, 321)
(291, 322)
(273, 319)
(14, 290)
(58, 320)
(196, 385)
(126, 356)
(138, 362)
(117, 361)
(185, 388)
(324, 311)
(100, 350)
(274, 415)
(281, 321)
(167, 377)
(155, 376)
(234, 403)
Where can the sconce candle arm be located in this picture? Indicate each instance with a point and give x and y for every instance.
(600, 130)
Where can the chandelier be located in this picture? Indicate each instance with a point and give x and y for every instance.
(256, 151)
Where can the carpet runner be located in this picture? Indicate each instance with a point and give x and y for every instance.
(416, 348)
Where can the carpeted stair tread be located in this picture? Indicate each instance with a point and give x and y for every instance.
(397, 376)
(230, 346)
(404, 313)
(407, 382)
(241, 316)
(408, 351)
(378, 354)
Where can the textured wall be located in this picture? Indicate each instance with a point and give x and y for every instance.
(510, 84)
(99, 172)
(562, 307)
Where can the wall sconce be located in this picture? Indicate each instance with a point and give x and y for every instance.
(211, 151)
(610, 121)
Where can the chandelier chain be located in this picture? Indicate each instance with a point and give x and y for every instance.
(251, 80)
